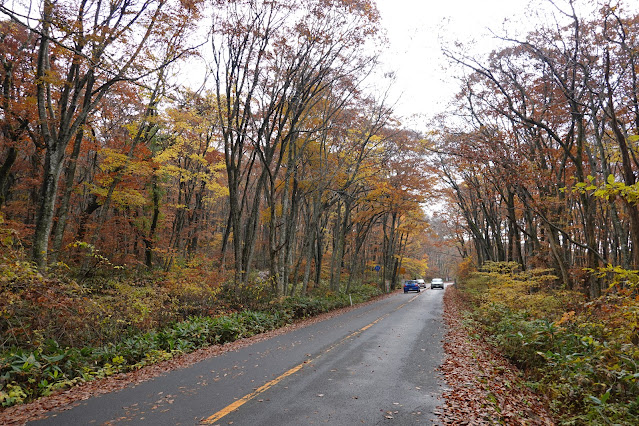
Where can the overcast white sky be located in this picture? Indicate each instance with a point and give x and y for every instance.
(416, 30)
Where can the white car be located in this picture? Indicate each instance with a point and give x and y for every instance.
(422, 283)
(437, 282)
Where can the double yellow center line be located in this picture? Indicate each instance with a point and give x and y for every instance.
(237, 404)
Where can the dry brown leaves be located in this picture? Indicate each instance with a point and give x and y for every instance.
(483, 387)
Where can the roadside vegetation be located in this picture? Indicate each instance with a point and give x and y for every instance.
(582, 354)
(61, 330)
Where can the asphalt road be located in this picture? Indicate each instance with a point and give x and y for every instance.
(372, 365)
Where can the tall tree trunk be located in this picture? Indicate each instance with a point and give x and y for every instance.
(555, 249)
(311, 236)
(49, 187)
(322, 223)
(10, 159)
(250, 230)
(289, 241)
(46, 208)
(149, 240)
(336, 258)
(69, 178)
(342, 227)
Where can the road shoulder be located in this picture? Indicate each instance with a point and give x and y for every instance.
(482, 386)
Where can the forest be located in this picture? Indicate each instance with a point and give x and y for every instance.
(143, 215)
(543, 170)
(153, 172)
(279, 156)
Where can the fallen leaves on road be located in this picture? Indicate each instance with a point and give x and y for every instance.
(483, 387)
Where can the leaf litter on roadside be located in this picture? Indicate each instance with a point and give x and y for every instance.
(483, 387)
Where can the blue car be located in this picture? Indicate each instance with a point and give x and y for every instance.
(411, 285)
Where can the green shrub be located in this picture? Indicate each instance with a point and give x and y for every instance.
(26, 375)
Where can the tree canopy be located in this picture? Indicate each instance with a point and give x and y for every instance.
(280, 165)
